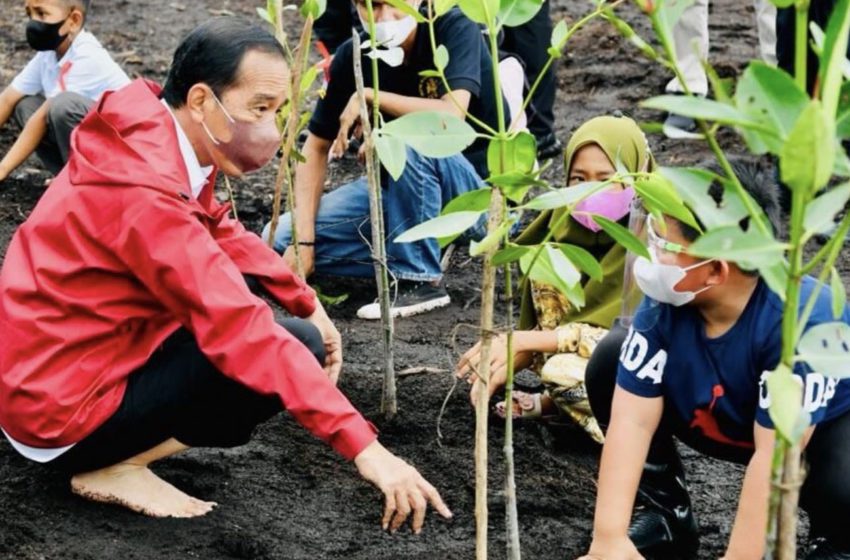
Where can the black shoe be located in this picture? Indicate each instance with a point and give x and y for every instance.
(548, 146)
(825, 550)
(679, 127)
(664, 525)
(412, 298)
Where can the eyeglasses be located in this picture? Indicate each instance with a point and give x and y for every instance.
(659, 242)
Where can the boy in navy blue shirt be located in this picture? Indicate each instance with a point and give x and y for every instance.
(693, 365)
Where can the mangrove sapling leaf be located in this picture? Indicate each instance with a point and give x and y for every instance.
(566, 196)
(693, 186)
(559, 38)
(808, 156)
(701, 108)
(511, 253)
(583, 259)
(520, 154)
(750, 249)
(392, 153)
(667, 14)
(441, 7)
(442, 226)
(477, 248)
(834, 56)
(265, 15)
(622, 235)
(842, 120)
(776, 277)
(476, 201)
(314, 8)
(309, 78)
(826, 349)
(782, 3)
(563, 266)
(480, 11)
(431, 133)
(659, 195)
(785, 391)
(407, 9)
(544, 271)
(513, 13)
(839, 294)
(441, 58)
(772, 97)
(821, 212)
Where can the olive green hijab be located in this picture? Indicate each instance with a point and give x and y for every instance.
(618, 137)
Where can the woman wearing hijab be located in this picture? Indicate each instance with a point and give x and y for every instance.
(555, 338)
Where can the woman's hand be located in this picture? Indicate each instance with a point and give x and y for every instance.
(470, 362)
(621, 548)
(405, 491)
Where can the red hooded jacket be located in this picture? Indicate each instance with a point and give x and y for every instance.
(116, 256)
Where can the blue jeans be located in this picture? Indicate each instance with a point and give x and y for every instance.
(343, 228)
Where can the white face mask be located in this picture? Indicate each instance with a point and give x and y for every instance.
(390, 34)
(658, 280)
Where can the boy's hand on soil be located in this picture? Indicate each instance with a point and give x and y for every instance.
(405, 491)
(332, 340)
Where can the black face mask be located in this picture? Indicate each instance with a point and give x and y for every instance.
(43, 36)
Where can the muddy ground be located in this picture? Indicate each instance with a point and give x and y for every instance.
(286, 495)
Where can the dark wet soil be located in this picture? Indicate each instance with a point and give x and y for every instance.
(286, 495)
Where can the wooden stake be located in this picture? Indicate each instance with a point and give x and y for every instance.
(389, 404)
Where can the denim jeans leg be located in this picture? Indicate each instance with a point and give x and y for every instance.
(343, 232)
(425, 186)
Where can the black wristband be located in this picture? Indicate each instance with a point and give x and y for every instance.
(307, 243)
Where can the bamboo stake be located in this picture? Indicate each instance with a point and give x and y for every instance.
(511, 515)
(389, 403)
(290, 133)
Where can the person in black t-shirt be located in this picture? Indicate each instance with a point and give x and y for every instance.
(333, 231)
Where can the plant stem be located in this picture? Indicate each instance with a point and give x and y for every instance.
(511, 515)
(801, 43)
(389, 402)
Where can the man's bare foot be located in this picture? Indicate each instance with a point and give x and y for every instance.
(137, 488)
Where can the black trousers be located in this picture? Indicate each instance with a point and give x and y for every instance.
(529, 42)
(179, 394)
(826, 492)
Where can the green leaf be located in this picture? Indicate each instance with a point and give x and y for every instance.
(700, 108)
(314, 8)
(839, 294)
(563, 266)
(265, 15)
(668, 14)
(446, 225)
(431, 133)
(559, 36)
(441, 58)
(393, 154)
(750, 250)
(842, 122)
(327, 299)
(441, 7)
(622, 236)
(308, 78)
(491, 240)
(658, 194)
(566, 196)
(776, 277)
(520, 154)
(582, 258)
(543, 271)
(693, 185)
(826, 348)
(513, 13)
(782, 3)
(475, 201)
(770, 96)
(821, 212)
(786, 400)
(407, 9)
(834, 55)
(480, 11)
(808, 156)
(430, 74)
(510, 254)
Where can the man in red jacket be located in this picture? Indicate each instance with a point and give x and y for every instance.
(129, 332)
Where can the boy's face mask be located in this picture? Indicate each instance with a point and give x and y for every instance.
(43, 36)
